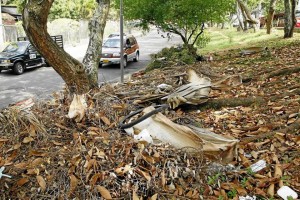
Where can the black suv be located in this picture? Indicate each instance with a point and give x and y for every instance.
(18, 56)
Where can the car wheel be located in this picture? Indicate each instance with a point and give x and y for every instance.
(137, 57)
(47, 64)
(125, 62)
(18, 68)
(0, 70)
(100, 65)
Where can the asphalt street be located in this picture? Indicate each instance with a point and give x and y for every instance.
(40, 83)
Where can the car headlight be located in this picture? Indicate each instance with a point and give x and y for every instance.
(5, 61)
(116, 55)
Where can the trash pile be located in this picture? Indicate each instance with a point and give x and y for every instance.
(218, 130)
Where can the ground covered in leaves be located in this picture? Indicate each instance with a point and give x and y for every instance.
(49, 156)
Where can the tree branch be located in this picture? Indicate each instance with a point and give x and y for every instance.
(198, 35)
(193, 31)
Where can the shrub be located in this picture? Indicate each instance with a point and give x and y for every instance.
(172, 56)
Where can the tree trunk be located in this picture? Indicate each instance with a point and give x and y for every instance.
(258, 14)
(247, 15)
(289, 18)
(270, 17)
(239, 16)
(96, 27)
(246, 11)
(35, 16)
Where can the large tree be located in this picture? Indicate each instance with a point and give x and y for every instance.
(289, 17)
(182, 17)
(270, 16)
(243, 8)
(80, 78)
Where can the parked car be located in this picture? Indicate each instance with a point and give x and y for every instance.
(298, 19)
(20, 55)
(278, 20)
(111, 50)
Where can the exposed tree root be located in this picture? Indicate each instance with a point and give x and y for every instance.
(284, 71)
(289, 93)
(293, 128)
(232, 102)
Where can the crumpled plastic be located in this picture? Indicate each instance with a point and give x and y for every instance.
(193, 139)
(196, 92)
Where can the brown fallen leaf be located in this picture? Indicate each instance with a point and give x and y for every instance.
(94, 179)
(105, 120)
(17, 146)
(36, 162)
(3, 140)
(41, 181)
(32, 131)
(135, 196)
(144, 174)
(154, 197)
(104, 192)
(73, 184)
(270, 190)
(27, 140)
(163, 179)
(57, 143)
(260, 192)
(278, 171)
(21, 165)
(37, 153)
(22, 181)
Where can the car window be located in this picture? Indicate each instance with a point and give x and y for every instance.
(32, 50)
(16, 47)
(112, 43)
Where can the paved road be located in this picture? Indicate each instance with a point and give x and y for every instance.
(42, 82)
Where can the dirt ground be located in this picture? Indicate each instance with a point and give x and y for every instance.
(49, 156)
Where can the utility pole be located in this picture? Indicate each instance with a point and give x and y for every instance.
(1, 26)
(121, 42)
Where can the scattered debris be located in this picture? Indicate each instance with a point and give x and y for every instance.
(51, 156)
(195, 92)
(247, 198)
(285, 192)
(193, 139)
(253, 50)
(77, 107)
(24, 105)
(3, 175)
(258, 166)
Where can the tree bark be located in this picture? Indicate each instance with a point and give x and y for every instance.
(239, 16)
(289, 18)
(94, 50)
(270, 16)
(35, 16)
(247, 15)
(247, 12)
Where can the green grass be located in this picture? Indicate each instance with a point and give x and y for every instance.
(225, 39)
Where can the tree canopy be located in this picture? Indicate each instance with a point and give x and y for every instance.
(182, 17)
(72, 9)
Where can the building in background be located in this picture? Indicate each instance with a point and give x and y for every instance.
(10, 16)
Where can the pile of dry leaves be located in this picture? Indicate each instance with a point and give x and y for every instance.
(48, 156)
